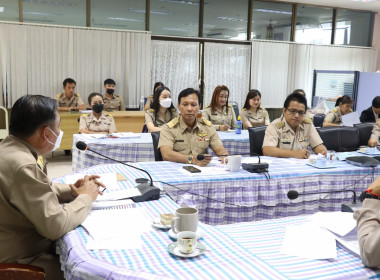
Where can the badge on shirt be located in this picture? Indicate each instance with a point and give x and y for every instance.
(304, 139)
(202, 136)
(285, 139)
(40, 162)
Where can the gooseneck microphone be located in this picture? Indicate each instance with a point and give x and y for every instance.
(292, 194)
(148, 191)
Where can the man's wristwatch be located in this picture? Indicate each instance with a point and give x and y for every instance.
(368, 194)
(190, 160)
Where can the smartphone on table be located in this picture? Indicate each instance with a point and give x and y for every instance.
(191, 169)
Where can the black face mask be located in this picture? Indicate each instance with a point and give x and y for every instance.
(110, 90)
(98, 108)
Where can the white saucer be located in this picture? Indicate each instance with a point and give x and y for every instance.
(199, 250)
(157, 224)
(174, 235)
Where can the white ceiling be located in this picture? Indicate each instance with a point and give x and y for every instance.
(348, 4)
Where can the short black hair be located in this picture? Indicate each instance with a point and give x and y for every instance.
(187, 92)
(109, 82)
(92, 95)
(68, 81)
(295, 97)
(345, 99)
(376, 102)
(30, 112)
(299, 90)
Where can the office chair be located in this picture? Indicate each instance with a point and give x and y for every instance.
(157, 152)
(17, 271)
(144, 129)
(365, 131)
(318, 120)
(235, 106)
(340, 139)
(256, 139)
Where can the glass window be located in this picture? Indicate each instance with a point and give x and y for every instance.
(174, 17)
(313, 25)
(60, 12)
(353, 28)
(224, 19)
(9, 10)
(271, 21)
(118, 14)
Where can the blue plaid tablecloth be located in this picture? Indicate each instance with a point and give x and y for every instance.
(139, 149)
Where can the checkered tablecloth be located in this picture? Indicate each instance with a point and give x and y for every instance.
(139, 149)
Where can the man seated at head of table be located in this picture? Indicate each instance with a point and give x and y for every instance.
(112, 101)
(32, 217)
(161, 110)
(292, 134)
(342, 107)
(97, 122)
(372, 113)
(187, 136)
(69, 100)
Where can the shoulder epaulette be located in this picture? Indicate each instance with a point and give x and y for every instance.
(335, 110)
(244, 109)
(229, 105)
(262, 108)
(351, 110)
(76, 94)
(117, 95)
(151, 110)
(280, 124)
(174, 110)
(208, 106)
(84, 115)
(206, 122)
(173, 122)
(307, 120)
(108, 114)
(59, 95)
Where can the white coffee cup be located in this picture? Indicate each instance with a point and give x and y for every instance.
(186, 219)
(234, 162)
(187, 241)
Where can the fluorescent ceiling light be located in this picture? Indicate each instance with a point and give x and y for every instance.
(175, 29)
(273, 11)
(196, 3)
(232, 19)
(126, 19)
(1, 9)
(365, 1)
(57, 3)
(42, 14)
(152, 12)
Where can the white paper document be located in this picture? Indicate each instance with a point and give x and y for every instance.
(350, 243)
(126, 135)
(120, 204)
(309, 241)
(350, 119)
(340, 223)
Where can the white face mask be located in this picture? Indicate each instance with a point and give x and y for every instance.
(166, 103)
(58, 141)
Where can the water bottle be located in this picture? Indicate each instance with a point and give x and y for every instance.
(142, 103)
(238, 126)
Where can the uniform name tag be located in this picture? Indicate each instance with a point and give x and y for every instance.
(179, 141)
(285, 142)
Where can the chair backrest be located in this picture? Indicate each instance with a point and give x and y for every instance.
(5, 132)
(144, 129)
(235, 106)
(340, 139)
(157, 152)
(256, 139)
(17, 271)
(365, 131)
(318, 120)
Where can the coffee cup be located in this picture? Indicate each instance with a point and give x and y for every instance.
(187, 241)
(234, 162)
(186, 219)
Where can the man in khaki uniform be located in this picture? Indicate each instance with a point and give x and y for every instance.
(218, 118)
(112, 101)
(31, 214)
(69, 99)
(375, 136)
(183, 138)
(290, 135)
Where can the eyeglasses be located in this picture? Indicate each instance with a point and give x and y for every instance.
(293, 112)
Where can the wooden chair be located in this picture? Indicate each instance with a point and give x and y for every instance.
(17, 271)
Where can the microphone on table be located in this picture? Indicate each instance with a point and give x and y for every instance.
(351, 207)
(147, 190)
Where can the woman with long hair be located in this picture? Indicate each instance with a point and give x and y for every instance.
(161, 110)
(252, 114)
(149, 100)
(343, 106)
(219, 113)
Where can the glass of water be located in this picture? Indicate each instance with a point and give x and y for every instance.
(330, 156)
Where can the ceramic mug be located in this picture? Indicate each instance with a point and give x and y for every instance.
(186, 219)
(187, 241)
(234, 162)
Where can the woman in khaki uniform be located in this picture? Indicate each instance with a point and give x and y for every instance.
(252, 114)
(149, 100)
(96, 122)
(161, 110)
(343, 106)
(219, 113)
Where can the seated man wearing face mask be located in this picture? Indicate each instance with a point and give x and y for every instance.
(161, 110)
(96, 122)
(112, 101)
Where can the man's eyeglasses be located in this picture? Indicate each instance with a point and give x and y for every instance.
(293, 112)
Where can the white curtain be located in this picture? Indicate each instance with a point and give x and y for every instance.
(35, 59)
(176, 65)
(227, 64)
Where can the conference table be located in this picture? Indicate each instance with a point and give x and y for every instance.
(234, 251)
(138, 147)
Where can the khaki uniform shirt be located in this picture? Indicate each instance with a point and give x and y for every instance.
(149, 101)
(181, 138)
(105, 123)
(149, 117)
(116, 103)
(74, 101)
(376, 131)
(279, 134)
(30, 213)
(220, 117)
(256, 119)
(368, 226)
(334, 116)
